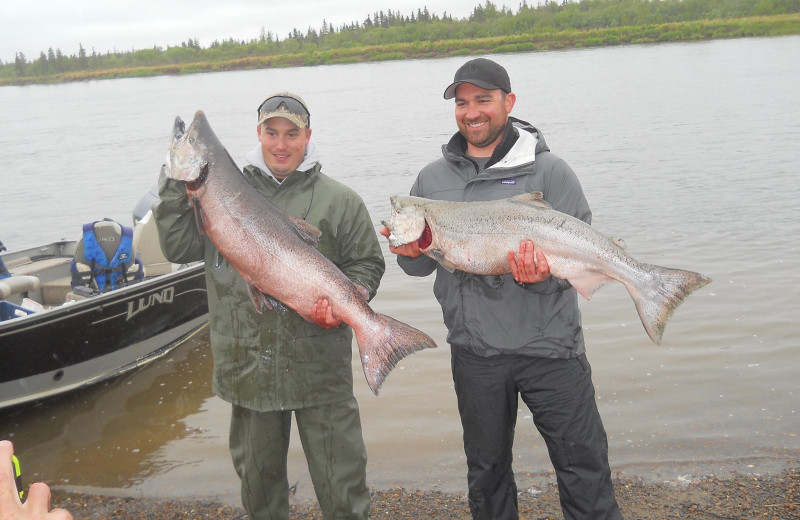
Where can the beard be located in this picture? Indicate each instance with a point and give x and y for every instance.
(483, 137)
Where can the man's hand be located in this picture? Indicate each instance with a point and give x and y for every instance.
(411, 250)
(528, 265)
(36, 507)
(322, 315)
(322, 312)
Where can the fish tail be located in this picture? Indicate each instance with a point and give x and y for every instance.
(659, 299)
(384, 344)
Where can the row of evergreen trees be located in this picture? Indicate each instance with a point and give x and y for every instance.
(382, 28)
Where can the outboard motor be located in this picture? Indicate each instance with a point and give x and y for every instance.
(3, 271)
(145, 204)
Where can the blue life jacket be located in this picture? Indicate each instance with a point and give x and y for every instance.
(107, 273)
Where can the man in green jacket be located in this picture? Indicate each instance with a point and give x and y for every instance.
(272, 364)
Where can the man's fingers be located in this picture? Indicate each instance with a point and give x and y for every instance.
(527, 255)
(528, 265)
(38, 497)
(512, 263)
(319, 311)
(8, 493)
(410, 249)
(322, 315)
(541, 264)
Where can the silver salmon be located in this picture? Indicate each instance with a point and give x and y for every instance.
(475, 237)
(275, 252)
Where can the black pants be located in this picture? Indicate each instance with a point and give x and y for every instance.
(560, 395)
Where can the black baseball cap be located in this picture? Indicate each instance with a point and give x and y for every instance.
(482, 73)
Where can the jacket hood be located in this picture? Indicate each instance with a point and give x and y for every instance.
(256, 157)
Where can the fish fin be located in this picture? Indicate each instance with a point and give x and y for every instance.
(534, 198)
(260, 300)
(381, 347)
(437, 255)
(199, 219)
(588, 282)
(308, 232)
(619, 242)
(657, 299)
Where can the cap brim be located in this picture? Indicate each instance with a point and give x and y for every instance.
(450, 91)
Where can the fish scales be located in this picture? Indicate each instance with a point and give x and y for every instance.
(282, 267)
(475, 237)
(276, 252)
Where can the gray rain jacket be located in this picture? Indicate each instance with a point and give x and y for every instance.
(490, 315)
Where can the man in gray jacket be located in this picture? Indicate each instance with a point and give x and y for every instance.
(516, 335)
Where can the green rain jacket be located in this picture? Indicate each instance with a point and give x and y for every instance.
(277, 360)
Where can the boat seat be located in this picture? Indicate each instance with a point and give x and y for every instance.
(57, 291)
(104, 257)
(14, 284)
(147, 247)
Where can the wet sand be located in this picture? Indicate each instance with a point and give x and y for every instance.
(774, 497)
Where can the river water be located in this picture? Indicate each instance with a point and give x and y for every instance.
(687, 151)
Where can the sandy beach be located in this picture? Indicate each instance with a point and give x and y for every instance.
(774, 497)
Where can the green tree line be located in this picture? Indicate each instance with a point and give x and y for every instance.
(392, 35)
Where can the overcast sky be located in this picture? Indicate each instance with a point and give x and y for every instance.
(33, 26)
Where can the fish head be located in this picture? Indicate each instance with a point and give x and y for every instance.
(189, 157)
(407, 221)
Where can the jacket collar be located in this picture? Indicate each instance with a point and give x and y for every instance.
(514, 148)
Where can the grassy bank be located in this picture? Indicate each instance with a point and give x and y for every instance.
(779, 25)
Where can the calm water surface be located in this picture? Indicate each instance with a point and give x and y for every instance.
(686, 151)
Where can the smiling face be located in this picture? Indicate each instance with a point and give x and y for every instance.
(283, 145)
(481, 116)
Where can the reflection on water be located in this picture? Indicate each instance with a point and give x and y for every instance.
(686, 151)
(109, 435)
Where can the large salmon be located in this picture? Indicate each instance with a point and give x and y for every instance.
(475, 237)
(275, 252)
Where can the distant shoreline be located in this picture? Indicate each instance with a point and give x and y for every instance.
(763, 26)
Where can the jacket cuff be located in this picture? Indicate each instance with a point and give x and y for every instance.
(549, 286)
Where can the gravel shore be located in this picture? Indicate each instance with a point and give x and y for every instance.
(774, 497)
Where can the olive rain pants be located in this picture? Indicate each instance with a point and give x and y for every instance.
(334, 450)
(560, 395)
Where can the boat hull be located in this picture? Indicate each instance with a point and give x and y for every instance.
(80, 343)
